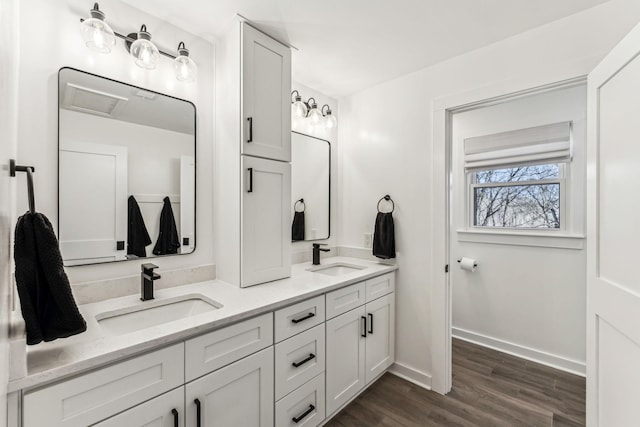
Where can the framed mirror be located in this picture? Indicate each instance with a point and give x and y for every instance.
(126, 171)
(310, 187)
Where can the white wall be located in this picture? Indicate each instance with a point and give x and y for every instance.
(386, 146)
(527, 300)
(58, 43)
(9, 10)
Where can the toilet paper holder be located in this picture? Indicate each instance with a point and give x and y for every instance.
(475, 264)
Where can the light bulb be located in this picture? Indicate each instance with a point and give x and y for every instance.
(186, 69)
(299, 109)
(96, 33)
(315, 115)
(330, 121)
(144, 51)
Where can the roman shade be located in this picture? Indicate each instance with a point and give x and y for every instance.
(540, 144)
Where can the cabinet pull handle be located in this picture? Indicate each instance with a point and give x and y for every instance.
(250, 119)
(302, 362)
(198, 413)
(364, 327)
(176, 422)
(302, 416)
(308, 316)
(371, 323)
(250, 190)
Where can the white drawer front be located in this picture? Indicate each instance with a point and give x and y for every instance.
(306, 405)
(155, 413)
(380, 286)
(216, 349)
(305, 350)
(299, 317)
(345, 299)
(89, 398)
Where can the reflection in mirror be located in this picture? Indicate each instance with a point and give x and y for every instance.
(126, 171)
(310, 187)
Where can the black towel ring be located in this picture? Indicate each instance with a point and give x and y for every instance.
(295, 205)
(388, 199)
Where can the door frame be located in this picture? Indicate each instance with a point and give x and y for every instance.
(443, 110)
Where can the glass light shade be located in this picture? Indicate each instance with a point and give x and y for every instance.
(330, 121)
(96, 33)
(186, 69)
(299, 109)
(144, 51)
(315, 116)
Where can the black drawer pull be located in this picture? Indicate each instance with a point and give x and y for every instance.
(364, 327)
(302, 362)
(308, 316)
(198, 413)
(176, 422)
(371, 323)
(250, 119)
(302, 416)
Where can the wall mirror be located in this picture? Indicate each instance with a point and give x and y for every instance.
(310, 187)
(126, 171)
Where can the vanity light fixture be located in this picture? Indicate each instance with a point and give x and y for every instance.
(330, 120)
(99, 36)
(309, 109)
(299, 107)
(314, 115)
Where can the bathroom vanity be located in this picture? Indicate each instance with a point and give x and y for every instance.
(289, 352)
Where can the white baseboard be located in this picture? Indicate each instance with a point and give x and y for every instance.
(412, 375)
(558, 362)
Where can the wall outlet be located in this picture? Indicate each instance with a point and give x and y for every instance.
(367, 240)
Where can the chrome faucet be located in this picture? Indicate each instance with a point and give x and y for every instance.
(146, 281)
(316, 253)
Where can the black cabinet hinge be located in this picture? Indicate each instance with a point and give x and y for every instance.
(446, 268)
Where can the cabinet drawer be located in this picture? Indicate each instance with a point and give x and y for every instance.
(380, 286)
(299, 317)
(216, 349)
(89, 398)
(299, 359)
(157, 412)
(306, 405)
(345, 299)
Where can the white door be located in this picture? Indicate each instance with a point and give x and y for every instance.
(240, 394)
(266, 221)
(166, 410)
(380, 341)
(613, 233)
(266, 95)
(345, 372)
(187, 204)
(93, 203)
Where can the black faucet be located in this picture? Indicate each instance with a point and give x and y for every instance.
(146, 281)
(316, 253)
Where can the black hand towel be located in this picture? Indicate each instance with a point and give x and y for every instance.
(168, 240)
(48, 307)
(137, 234)
(297, 228)
(384, 243)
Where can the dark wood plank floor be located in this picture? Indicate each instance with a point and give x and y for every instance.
(489, 389)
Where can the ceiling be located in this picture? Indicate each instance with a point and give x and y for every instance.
(348, 45)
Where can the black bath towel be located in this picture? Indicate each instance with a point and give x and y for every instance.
(297, 228)
(384, 243)
(47, 304)
(168, 240)
(137, 235)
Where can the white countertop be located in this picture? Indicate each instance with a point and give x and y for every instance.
(47, 362)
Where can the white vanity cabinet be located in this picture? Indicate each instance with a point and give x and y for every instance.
(253, 151)
(166, 410)
(361, 341)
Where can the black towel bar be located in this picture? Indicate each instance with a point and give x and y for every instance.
(388, 199)
(13, 168)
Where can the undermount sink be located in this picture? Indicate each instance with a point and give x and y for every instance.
(154, 313)
(336, 269)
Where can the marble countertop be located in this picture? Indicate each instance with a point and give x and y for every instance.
(48, 362)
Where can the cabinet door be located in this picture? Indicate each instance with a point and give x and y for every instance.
(380, 341)
(345, 372)
(266, 96)
(240, 394)
(166, 410)
(266, 221)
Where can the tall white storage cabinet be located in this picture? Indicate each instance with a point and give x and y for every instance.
(252, 219)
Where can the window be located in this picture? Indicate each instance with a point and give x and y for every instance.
(516, 179)
(518, 197)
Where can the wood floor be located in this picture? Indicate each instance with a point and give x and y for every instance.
(489, 389)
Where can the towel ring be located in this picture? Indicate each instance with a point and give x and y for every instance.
(388, 199)
(295, 205)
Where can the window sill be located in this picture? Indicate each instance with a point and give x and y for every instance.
(543, 240)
